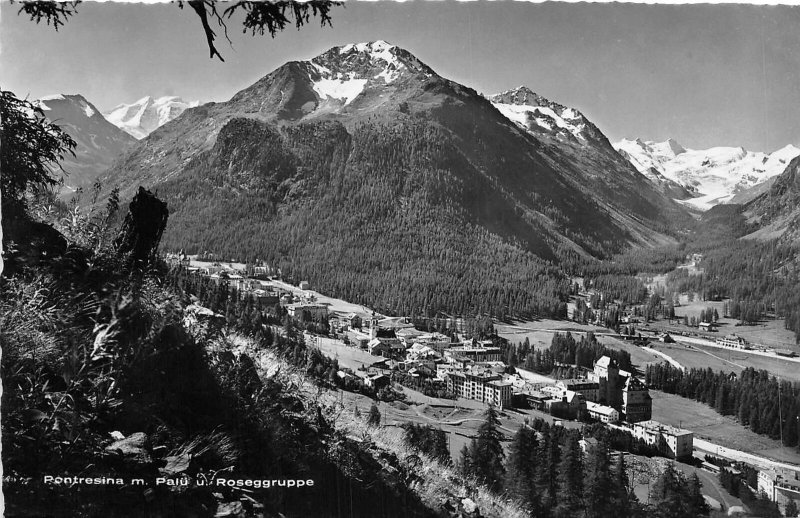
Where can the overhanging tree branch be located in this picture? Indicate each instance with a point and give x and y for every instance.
(199, 7)
(53, 13)
(259, 17)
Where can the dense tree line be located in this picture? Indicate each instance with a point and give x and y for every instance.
(758, 400)
(564, 351)
(426, 386)
(585, 351)
(548, 472)
(477, 327)
(629, 263)
(626, 289)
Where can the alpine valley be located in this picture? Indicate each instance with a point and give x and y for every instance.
(365, 158)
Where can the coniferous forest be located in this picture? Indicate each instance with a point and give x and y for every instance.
(548, 471)
(393, 233)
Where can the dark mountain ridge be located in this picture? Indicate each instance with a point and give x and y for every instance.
(777, 211)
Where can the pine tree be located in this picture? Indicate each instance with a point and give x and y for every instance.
(570, 480)
(374, 417)
(623, 496)
(598, 496)
(669, 495)
(547, 471)
(464, 463)
(486, 451)
(521, 469)
(698, 504)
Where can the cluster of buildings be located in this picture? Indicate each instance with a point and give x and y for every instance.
(467, 368)
(607, 394)
(473, 369)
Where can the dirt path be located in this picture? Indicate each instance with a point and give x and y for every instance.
(741, 456)
(667, 357)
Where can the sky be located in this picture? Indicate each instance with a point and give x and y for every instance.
(705, 75)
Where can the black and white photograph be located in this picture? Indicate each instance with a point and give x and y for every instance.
(376, 259)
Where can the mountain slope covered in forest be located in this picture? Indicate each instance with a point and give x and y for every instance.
(367, 173)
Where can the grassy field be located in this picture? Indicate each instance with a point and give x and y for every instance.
(711, 426)
(727, 360)
(769, 333)
(348, 356)
(689, 357)
(540, 332)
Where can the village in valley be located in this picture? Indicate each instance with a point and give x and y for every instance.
(445, 371)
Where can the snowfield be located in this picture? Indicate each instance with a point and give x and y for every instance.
(144, 116)
(346, 89)
(716, 174)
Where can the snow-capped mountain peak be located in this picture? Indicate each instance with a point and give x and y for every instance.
(142, 117)
(75, 99)
(575, 136)
(342, 73)
(375, 59)
(715, 175)
(534, 112)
